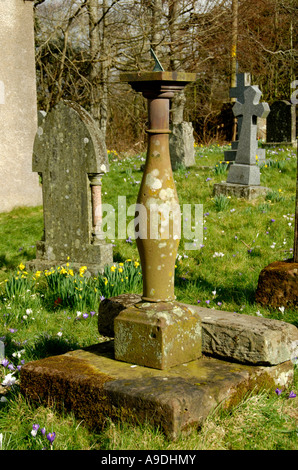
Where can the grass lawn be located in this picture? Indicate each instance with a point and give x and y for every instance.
(42, 314)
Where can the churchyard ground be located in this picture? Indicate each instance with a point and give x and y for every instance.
(38, 319)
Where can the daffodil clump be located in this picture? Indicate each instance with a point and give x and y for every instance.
(18, 285)
(62, 286)
(120, 278)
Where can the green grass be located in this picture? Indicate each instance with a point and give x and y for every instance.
(47, 315)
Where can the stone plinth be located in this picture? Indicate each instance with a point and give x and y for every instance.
(239, 190)
(278, 285)
(93, 386)
(158, 335)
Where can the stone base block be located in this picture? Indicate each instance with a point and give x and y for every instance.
(230, 336)
(240, 173)
(158, 335)
(278, 285)
(102, 253)
(92, 385)
(239, 190)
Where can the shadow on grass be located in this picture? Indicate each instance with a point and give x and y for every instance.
(198, 286)
(46, 346)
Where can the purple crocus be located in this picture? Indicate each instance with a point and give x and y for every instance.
(5, 362)
(51, 437)
(292, 395)
(278, 391)
(85, 315)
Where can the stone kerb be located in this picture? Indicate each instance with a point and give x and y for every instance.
(71, 156)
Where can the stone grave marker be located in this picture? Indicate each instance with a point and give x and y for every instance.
(243, 82)
(281, 124)
(19, 186)
(244, 175)
(71, 157)
(181, 143)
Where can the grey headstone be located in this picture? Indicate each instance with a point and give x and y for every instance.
(244, 170)
(71, 156)
(281, 123)
(181, 144)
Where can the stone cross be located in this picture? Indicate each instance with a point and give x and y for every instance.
(244, 170)
(71, 157)
(243, 82)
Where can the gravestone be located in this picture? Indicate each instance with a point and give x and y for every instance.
(181, 143)
(244, 175)
(281, 124)
(19, 186)
(243, 82)
(71, 157)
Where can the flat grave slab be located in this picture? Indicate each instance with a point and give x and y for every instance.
(94, 386)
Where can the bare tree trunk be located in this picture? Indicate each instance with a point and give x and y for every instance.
(233, 81)
(296, 220)
(179, 100)
(99, 69)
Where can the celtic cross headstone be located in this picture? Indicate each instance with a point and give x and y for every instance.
(245, 171)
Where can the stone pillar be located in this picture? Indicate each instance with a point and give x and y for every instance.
(95, 184)
(158, 332)
(19, 186)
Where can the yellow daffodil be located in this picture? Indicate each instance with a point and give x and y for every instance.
(113, 269)
(21, 266)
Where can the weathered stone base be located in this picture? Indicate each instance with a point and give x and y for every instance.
(230, 336)
(239, 190)
(94, 386)
(158, 334)
(278, 284)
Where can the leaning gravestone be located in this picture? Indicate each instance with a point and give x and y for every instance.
(281, 124)
(244, 175)
(19, 186)
(71, 157)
